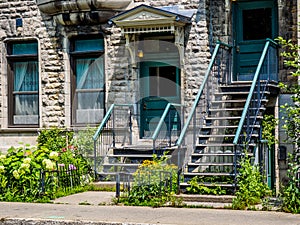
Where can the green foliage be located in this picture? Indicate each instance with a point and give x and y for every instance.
(83, 139)
(21, 168)
(268, 128)
(154, 184)
(251, 188)
(54, 138)
(291, 192)
(197, 187)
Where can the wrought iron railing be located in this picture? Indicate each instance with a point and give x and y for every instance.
(158, 182)
(62, 178)
(219, 71)
(168, 128)
(267, 70)
(115, 130)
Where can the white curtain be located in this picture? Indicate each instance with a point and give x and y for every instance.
(25, 80)
(89, 77)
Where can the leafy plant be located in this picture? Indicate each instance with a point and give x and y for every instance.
(197, 186)
(268, 128)
(291, 191)
(251, 188)
(39, 173)
(154, 184)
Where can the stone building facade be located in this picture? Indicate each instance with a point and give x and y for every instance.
(55, 35)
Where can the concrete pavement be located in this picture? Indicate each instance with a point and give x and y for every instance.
(94, 208)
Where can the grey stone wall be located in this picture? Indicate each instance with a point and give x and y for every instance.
(211, 22)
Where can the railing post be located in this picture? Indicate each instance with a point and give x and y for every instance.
(118, 188)
(130, 126)
(95, 158)
(113, 127)
(235, 168)
(170, 128)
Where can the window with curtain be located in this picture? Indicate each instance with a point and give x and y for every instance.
(88, 80)
(23, 83)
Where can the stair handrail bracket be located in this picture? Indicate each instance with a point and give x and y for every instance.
(115, 128)
(266, 71)
(219, 67)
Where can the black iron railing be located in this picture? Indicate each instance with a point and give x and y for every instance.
(115, 130)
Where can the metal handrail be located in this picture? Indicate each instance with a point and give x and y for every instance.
(110, 138)
(200, 92)
(161, 122)
(106, 118)
(252, 89)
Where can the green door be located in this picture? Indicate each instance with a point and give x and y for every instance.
(254, 21)
(159, 85)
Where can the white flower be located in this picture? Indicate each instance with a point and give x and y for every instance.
(25, 166)
(2, 157)
(16, 174)
(49, 165)
(27, 160)
(53, 155)
(2, 169)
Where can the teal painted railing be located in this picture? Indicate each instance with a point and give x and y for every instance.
(218, 71)
(267, 70)
(169, 126)
(114, 129)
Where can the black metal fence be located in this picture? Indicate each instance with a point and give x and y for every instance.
(62, 178)
(145, 179)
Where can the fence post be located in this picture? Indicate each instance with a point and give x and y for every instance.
(118, 185)
(42, 175)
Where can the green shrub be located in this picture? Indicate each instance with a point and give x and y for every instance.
(291, 192)
(22, 168)
(154, 184)
(251, 188)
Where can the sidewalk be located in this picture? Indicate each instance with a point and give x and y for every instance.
(92, 208)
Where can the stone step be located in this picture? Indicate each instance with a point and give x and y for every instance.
(130, 155)
(213, 154)
(186, 184)
(206, 198)
(210, 164)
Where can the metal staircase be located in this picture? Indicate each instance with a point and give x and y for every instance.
(223, 123)
(225, 120)
(117, 148)
(215, 157)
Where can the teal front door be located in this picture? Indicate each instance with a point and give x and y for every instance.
(159, 85)
(254, 22)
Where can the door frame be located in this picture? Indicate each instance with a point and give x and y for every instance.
(237, 27)
(145, 91)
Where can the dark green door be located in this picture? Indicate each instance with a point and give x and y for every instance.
(254, 21)
(159, 85)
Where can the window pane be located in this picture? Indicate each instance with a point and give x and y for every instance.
(89, 73)
(167, 85)
(26, 76)
(26, 104)
(89, 45)
(162, 81)
(90, 100)
(257, 24)
(24, 48)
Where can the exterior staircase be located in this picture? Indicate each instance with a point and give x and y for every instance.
(215, 158)
(222, 125)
